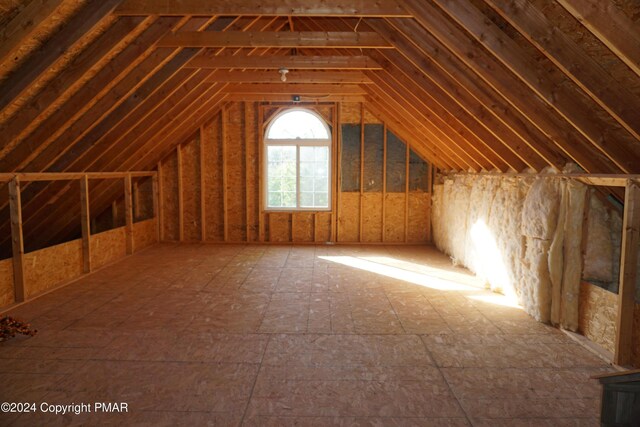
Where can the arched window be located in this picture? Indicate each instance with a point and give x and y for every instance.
(298, 162)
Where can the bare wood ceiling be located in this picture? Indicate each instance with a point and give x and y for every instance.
(112, 85)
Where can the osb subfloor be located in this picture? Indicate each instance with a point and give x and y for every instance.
(281, 335)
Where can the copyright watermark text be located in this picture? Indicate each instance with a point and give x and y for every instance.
(62, 409)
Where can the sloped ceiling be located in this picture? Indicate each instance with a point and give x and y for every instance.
(111, 85)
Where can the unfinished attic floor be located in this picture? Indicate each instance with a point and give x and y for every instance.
(294, 335)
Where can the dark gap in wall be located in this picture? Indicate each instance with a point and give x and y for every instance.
(396, 164)
(350, 159)
(373, 157)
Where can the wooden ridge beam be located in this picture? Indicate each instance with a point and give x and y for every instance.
(288, 98)
(24, 24)
(90, 16)
(275, 39)
(490, 71)
(289, 62)
(355, 8)
(610, 26)
(575, 63)
(343, 77)
(612, 140)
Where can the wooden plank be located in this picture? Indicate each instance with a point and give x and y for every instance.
(288, 98)
(384, 181)
(128, 213)
(85, 216)
(360, 219)
(611, 26)
(406, 193)
(336, 211)
(335, 135)
(24, 24)
(628, 273)
(75, 29)
(160, 210)
(17, 239)
(275, 39)
(355, 8)
(344, 77)
(156, 203)
(246, 131)
(69, 176)
(225, 213)
(584, 70)
(289, 62)
(203, 210)
(260, 173)
(296, 89)
(180, 194)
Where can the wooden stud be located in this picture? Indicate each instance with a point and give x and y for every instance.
(384, 181)
(156, 203)
(17, 241)
(85, 215)
(128, 213)
(406, 192)
(136, 200)
(360, 219)
(336, 211)
(335, 181)
(225, 207)
(203, 194)
(180, 194)
(160, 196)
(628, 274)
(260, 172)
(247, 161)
(430, 189)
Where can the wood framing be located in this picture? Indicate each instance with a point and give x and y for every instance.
(628, 273)
(85, 218)
(180, 194)
(128, 214)
(156, 203)
(355, 8)
(290, 62)
(344, 77)
(225, 206)
(160, 196)
(17, 239)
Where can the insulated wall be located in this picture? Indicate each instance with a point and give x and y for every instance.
(211, 183)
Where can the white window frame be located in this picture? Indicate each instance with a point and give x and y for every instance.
(266, 142)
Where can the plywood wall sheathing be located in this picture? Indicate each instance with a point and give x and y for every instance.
(6, 282)
(213, 179)
(170, 189)
(349, 217)
(235, 160)
(419, 224)
(144, 233)
(46, 268)
(279, 227)
(598, 311)
(191, 189)
(108, 247)
(394, 217)
(371, 217)
(302, 228)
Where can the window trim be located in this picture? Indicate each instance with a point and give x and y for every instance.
(266, 142)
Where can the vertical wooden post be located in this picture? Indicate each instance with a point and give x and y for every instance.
(225, 218)
(338, 186)
(128, 213)
(334, 172)
(430, 189)
(85, 215)
(246, 171)
(406, 194)
(15, 207)
(360, 220)
(156, 203)
(114, 214)
(180, 195)
(384, 181)
(628, 273)
(160, 211)
(136, 200)
(261, 160)
(203, 194)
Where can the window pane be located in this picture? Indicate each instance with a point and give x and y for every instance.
(306, 184)
(281, 176)
(321, 200)
(321, 184)
(321, 154)
(306, 200)
(306, 154)
(298, 124)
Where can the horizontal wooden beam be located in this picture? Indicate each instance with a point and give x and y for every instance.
(287, 98)
(353, 77)
(268, 39)
(297, 89)
(379, 8)
(66, 176)
(603, 180)
(290, 62)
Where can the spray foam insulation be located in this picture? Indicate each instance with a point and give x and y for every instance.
(521, 235)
